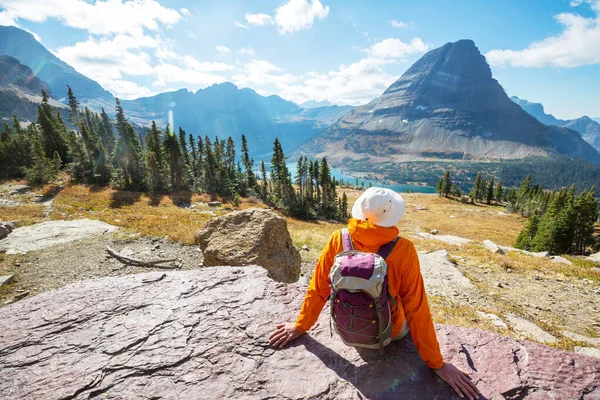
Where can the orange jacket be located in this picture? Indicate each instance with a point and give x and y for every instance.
(404, 277)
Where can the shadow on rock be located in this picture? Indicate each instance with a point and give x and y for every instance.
(397, 374)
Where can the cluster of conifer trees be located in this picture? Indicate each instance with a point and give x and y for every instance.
(99, 151)
(560, 221)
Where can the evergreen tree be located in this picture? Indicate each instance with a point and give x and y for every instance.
(175, 159)
(499, 192)
(325, 180)
(210, 167)
(156, 159)
(248, 164)
(54, 136)
(439, 188)
(447, 184)
(128, 152)
(525, 238)
(476, 188)
(490, 191)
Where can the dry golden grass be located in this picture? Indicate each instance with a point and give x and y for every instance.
(154, 215)
(475, 222)
(313, 234)
(26, 214)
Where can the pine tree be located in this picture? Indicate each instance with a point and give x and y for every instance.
(476, 188)
(525, 238)
(210, 168)
(248, 164)
(447, 184)
(53, 133)
(156, 159)
(439, 188)
(490, 191)
(499, 192)
(128, 152)
(175, 159)
(264, 189)
(325, 179)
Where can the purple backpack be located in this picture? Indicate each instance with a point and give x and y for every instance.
(359, 298)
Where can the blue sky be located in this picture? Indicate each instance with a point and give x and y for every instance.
(345, 51)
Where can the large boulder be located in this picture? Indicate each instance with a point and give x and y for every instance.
(203, 335)
(251, 237)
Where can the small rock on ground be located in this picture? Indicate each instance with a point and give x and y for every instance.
(494, 319)
(456, 240)
(5, 280)
(581, 338)
(587, 351)
(529, 329)
(561, 260)
(492, 247)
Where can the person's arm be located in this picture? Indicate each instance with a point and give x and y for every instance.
(318, 289)
(418, 318)
(416, 310)
(315, 299)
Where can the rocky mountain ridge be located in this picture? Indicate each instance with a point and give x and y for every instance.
(20, 90)
(586, 126)
(446, 105)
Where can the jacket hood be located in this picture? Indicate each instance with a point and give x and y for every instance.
(369, 234)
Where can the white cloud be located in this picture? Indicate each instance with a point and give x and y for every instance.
(185, 12)
(299, 14)
(106, 60)
(240, 25)
(248, 51)
(193, 79)
(165, 54)
(258, 19)
(578, 44)
(127, 90)
(101, 18)
(357, 83)
(396, 48)
(223, 49)
(205, 66)
(398, 24)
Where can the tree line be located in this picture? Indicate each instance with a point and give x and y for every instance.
(95, 149)
(560, 221)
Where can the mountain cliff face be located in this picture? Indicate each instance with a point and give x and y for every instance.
(447, 105)
(20, 90)
(587, 127)
(22, 45)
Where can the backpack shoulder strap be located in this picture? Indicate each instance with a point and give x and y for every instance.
(347, 240)
(386, 249)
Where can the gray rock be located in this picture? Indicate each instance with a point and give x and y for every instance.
(305, 247)
(251, 237)
(4, 231)
(540, 254)
(492, 247)
(15, 189)
(560, 259)
(587, 351)
(5, 280)
(441, 277)
(455, 240)
(203, 335)
(594, 257)
(494, 319)
(214, 204)
(581, 338)
(40, 236)
(529, 329)
(434, 231)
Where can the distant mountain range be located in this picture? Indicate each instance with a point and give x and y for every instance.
(586, 126)
(22, 45)
(220, 110)
(445, 106)
(20, 90)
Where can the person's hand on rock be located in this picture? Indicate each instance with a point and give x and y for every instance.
(459, 381)
(284, 334)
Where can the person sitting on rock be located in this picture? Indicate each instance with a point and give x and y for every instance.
(371, 228)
